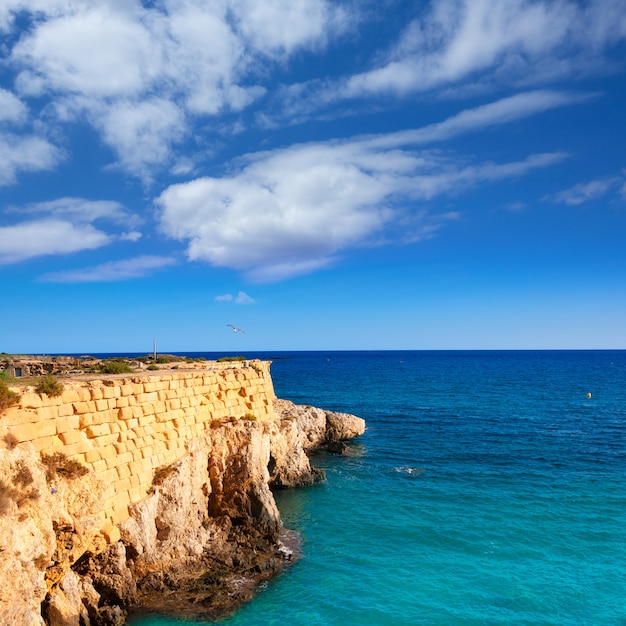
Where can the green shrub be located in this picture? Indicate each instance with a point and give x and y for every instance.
(7, 397)
(59, 463)
(6, 375)
(50, 386)
(167, 358)
(228, 359)
(115, 366)
(152, 367)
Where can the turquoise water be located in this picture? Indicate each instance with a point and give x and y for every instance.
(488, 489)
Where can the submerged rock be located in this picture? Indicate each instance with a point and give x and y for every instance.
(337, 447)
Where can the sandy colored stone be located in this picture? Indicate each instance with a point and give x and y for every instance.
(222, 464)
(71, 436)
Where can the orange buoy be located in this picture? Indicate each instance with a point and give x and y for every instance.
(589, 395)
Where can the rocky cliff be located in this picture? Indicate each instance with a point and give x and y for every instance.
(207, 532)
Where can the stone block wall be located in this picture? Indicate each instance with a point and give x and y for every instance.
(124, 428)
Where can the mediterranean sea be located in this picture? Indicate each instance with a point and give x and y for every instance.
(489, 488)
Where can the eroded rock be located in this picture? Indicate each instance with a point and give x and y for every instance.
(198, 545)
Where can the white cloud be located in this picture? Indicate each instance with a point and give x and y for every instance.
(25, 154)
(282, 26)
(148, 75)
(584, 192)
(63, 226)
(456, 43)
(36, 238)
(97, 51)
(112, 271)
(12, 109)
(459, 38)
(292, 211)
(486, 116)
(133, 235)
(202, 56)
(142, 75)
(141, 133)
(244, 298)
(241, 298)
(82, 210)
(516, 206)
(298, 205)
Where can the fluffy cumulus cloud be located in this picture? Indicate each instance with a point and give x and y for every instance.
(293, 210)
(141, 133)
(142, 74)
(286, 213)
(147, 75)
(63, 226)
(95, 51)
(163, 83)
(279, 26)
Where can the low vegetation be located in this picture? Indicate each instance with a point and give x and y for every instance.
(161, 474)
(228, 359)
(50, 386)
(169, 358)
(21, 491)
(115, 366)
(22, 475)
(10, 441)
(7, 397)
(6, 497)
(61, 465)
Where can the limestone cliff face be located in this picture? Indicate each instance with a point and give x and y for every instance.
(47, 521)
(197, 544)
(296, 432)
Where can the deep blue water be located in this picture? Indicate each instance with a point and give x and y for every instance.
(488, 489)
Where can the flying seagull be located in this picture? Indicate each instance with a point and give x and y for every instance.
(235, 329)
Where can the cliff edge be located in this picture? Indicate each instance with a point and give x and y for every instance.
(200, 541)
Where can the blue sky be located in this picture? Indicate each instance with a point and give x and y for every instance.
(322, 174)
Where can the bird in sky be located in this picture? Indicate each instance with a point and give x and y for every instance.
(235, 329)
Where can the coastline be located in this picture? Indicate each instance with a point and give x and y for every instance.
(206, 532)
